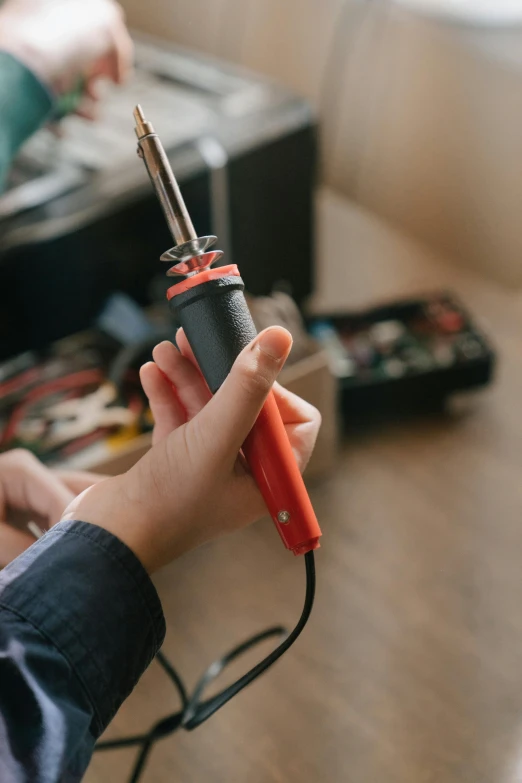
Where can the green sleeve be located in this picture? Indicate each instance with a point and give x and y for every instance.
(24, 105)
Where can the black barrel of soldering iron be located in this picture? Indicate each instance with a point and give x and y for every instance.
(217, 323)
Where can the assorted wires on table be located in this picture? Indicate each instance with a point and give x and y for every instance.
(67, 402)
(195, 710)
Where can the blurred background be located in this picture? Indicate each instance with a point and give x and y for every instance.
(360, 162)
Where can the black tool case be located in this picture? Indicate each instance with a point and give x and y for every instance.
(368, 391)
(80, 219)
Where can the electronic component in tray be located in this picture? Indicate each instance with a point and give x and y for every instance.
(407, 354)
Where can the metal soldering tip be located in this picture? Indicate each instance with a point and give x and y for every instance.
(143, 127)
(191, 252)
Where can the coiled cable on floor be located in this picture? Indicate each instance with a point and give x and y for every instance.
(194, 710)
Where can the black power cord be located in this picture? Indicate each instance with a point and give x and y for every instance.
(193, 710)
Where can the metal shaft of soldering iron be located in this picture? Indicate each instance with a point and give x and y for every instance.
(163, 180)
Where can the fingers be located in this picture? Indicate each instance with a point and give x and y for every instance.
(166, 409)
(12, 543)
(116, 60)
(184, 347)
(302, 423)
(226, 420)
(123, 49)
(88, 110)
(174, 387)
(190, 386)
(27, 484)
(295, 410)
(78, 480)
(91, 89)
(177, 392)
(124, 55)
(115, 63)
(108, 65)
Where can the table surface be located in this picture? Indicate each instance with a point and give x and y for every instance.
(411, 667)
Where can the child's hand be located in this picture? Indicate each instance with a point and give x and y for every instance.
(192, 485)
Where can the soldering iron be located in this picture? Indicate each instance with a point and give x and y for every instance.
(210, 305)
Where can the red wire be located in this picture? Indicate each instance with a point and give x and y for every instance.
(17, 383)
(84, 441)
(78, 379)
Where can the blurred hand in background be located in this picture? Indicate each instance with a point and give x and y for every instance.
(29, 491)
(68, 42)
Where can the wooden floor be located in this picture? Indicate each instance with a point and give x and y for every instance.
(410, 670)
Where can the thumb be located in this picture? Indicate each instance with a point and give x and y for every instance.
(228, 417)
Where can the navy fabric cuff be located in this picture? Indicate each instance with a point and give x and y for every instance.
(89, 595)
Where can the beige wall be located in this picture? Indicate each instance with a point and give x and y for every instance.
(430, 137)
(416, 124)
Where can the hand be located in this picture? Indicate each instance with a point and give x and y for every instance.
(63, 41)
(193, 485)
(30, 489)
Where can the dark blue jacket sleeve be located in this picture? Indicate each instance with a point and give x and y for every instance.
(80, 621)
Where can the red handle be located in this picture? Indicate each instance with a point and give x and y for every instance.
(272, 462)
(212, 309)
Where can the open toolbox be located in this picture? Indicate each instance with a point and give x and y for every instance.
(406, 356)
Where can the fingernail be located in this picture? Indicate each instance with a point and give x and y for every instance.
(275, 342)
